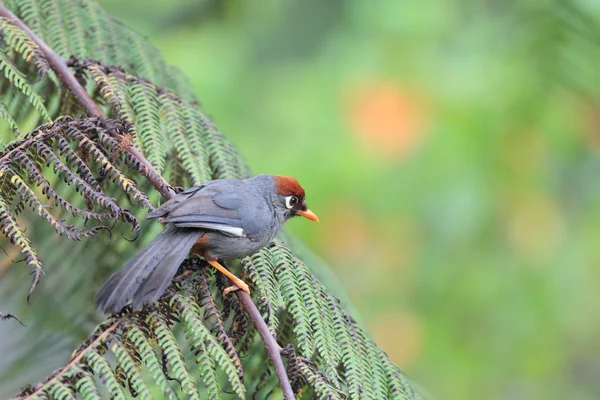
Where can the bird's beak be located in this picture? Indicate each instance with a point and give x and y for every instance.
(308, 214)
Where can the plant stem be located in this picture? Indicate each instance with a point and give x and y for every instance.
(80, 354)
(59, 66)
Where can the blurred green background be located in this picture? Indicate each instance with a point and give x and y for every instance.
(451, 152)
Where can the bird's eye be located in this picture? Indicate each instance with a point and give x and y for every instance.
(290, 201)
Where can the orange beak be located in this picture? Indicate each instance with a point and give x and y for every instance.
(308, 214)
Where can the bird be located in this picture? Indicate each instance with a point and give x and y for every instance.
(222, 219)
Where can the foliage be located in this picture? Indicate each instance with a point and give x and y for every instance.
(70, 149)
(478, 224)
(75, 172)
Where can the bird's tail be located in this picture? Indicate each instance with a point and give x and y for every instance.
(146, 276)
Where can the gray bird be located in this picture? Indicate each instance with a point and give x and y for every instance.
(219, 220)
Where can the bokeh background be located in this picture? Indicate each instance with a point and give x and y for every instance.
(451, 151)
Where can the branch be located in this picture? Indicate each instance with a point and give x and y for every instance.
(271, 344)
(59, 66)
(78, 356)
(6, 317)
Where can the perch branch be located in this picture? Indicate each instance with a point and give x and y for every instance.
(77, 357)
(59, 66)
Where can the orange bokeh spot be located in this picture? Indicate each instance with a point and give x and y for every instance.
(400, 335)
(591, 127)
(346, 231)
(386, 118)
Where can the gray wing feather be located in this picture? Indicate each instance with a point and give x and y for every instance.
(204, 207)
(230, 207)
(231, 201)
(191, 220)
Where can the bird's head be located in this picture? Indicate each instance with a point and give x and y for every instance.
(292, 198)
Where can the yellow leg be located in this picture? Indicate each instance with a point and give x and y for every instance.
(237, 282)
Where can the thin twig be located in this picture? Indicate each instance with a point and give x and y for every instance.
(80, 354)
(6, 317)
(271, 344)
(59, 66)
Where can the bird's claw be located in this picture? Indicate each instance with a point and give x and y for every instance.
(239, 285)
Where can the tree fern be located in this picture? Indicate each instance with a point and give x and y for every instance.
(19, 81)
(82, 175)
(20, 43)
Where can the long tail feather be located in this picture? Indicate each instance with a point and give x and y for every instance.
(146, 276)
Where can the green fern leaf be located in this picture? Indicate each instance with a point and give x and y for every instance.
(87, 386)
(16, 235)
(157, 114)
(172, 353)
(19, 81)
(59, 391)
(131, 371)
(102, 369)
(5, 115)
(206, 346)
(24, 45)
(137, 337)
(285, 273)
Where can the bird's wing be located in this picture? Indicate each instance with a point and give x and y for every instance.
(203, 207)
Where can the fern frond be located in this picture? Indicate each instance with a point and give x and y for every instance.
(302, 372)
(324, 333)
(79, 31)
(85, 181)
(30, 169)
(112, 87)
(262, 273)
(198, 144)
(101, 368)
(80, 169)
(205, 345)
(24, 45)
(31, 14)
(327, 336)
(108, 170)
(285, 272)
(25, 181)
(398, 385)
(214, 320)
(120, 351)
(148, 357)
(58, 390)
(30, 198)
(159, 117)
(360, 343)
(57, 36)
(18, 80)
(101, 34)
(16, 235)
(185, 136)
(5, 115)
(130, 372)
(174, 358)
(86, 385)
(148, 123)
(144, 58)
(222, 160)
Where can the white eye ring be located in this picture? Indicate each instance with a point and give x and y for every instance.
(290, 201)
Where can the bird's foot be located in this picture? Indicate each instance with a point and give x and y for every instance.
(238, 285)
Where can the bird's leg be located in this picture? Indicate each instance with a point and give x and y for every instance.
(237, 282)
